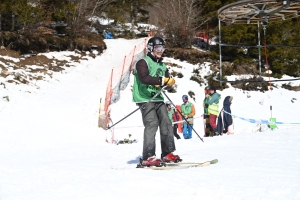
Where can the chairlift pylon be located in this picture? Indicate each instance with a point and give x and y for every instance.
(260, 12)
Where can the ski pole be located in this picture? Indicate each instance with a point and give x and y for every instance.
(182, 115)
(109, 127)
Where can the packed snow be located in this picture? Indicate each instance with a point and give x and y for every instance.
(51, 147)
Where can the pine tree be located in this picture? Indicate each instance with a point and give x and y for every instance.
(133, 11)
(5, 11)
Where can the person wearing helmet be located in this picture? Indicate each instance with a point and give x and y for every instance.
(174, 117)
(213, 108)
(188, 111)
(150, 74)
(208, 131)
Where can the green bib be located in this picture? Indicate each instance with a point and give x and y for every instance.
(143, 92)
(186, 109)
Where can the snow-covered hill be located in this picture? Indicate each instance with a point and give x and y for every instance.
(51, 147)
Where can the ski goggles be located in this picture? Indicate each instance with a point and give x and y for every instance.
(206, 91)
(159, 48)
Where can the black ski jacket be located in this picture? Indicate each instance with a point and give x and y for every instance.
(224, 119)
(143, 72)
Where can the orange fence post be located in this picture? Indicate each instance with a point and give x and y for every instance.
(122, 70)
(108, 93)
(132, 59)
(151, 34)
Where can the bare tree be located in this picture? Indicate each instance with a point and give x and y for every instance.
(178, 19)
(84, 11)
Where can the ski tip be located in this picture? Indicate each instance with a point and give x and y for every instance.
(214, 161)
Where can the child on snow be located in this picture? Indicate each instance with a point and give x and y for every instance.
(174, 117)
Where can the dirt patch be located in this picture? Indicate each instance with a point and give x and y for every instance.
(18, 69)
(10, 53)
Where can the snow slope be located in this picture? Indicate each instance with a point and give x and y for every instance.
(51, 147)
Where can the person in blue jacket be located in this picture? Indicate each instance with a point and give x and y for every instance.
(109, 35)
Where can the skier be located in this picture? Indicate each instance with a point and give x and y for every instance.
(208, 131)
(188, 111)
(174, 117)
(225, 119)
(149, 74)
(213, 108)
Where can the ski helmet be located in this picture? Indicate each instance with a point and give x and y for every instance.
(212, 88)
(167, 103)
(185, 97)
(206, 89)
(154, 41)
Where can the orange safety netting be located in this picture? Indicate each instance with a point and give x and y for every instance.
(119, 79)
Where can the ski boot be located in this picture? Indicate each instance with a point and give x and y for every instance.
(151, 161)
(171, 158)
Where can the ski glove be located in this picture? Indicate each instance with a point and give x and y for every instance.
(167, 81)
(206, 105)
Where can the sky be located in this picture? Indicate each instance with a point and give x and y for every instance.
(52, 149)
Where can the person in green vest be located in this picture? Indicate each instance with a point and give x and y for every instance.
(208, 131)
(150, 74)
(174, 117)
(188, 111)
(213, 108)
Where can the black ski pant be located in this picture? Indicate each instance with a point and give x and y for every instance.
(208, 129)
(155, 115)
(175, 131)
